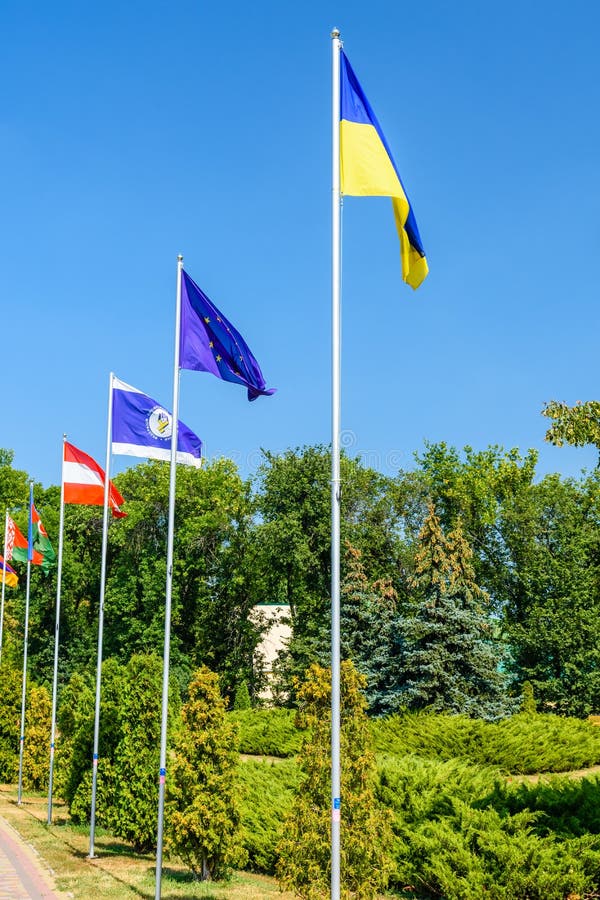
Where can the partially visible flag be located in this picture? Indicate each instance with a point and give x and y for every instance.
(8, 574)
(209, 343)
(38, 548)
(83, 481)
(141, 427)
(368, 170)
(39, 542)
(16, 543)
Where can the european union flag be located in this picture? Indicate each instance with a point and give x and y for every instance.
(209, 343)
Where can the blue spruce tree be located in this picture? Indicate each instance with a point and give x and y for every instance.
(451, 662)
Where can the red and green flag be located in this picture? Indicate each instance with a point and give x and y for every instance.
(37, 549)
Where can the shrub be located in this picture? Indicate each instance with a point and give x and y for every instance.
(459, 835)
(204, 818)
(268, 790)
(268, 732)
(521, 744)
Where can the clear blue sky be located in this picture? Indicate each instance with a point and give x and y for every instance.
(130, 132)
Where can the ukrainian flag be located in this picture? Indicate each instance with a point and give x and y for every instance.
(368, 170)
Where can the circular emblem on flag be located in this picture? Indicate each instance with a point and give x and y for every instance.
(159, 423)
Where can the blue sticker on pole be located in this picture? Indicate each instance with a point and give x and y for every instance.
(337, 802)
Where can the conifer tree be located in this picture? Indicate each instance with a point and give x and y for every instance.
(528, 705)
(242, 697)
(136, 756)
(10, 713)
(451, 661)
(304, 852)
(37, 738)
(203, 816)
(369, 636)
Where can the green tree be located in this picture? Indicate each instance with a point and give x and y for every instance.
(528, 704)
(292, 541)
(10, 717)
(136, 756)
(451, 662)
(577, 425)
(369, 633)
(553, 602)
(475, 486)
(304, 852)
(211, 599)
(242, 697)
(36, 749)
(203, 817)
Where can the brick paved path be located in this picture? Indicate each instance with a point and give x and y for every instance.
(21, 874)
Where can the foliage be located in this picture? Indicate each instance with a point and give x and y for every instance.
(136, 755)
(458, 837)
(211, 599)
(292, 541)
(242, 696)
(36, 748)
(267, 795)
(451, 661)
(304, 852)
(475, 486)
(203, 814)
(521, 744)
(577, 425)
(528, 704)
(369, 634)
(74, 746)
(553, 596)
(10, 717)
(268, 732)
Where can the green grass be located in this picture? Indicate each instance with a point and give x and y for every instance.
(118, 872)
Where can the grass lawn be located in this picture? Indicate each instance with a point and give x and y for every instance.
(117, 871)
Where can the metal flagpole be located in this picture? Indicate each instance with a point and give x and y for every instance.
(169, 589)
(101, 618)
(29, 555)
(56, 631)
(3, 583)
(335, 471)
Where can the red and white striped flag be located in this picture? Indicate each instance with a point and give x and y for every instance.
(83, 481)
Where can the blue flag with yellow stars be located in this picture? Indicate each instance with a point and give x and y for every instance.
(209, 343)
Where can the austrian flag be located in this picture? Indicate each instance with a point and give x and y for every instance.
(83, 482)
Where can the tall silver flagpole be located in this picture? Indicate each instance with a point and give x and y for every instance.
(335, 471)
(3, 583)
(26, 637)
(169, 590)
(56, 630)
(101, 618)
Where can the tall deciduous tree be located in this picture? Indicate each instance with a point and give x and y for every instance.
(203, 818)
(451, 661)
(553, 607)
(577, 425)
(292, 543)
(304, 852)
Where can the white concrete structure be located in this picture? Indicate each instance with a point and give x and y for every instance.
(275, 639)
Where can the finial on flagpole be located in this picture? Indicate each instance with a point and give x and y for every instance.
(179, 257)
(335, 33)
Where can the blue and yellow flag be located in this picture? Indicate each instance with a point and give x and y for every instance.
(368, 170)
(8, 574)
